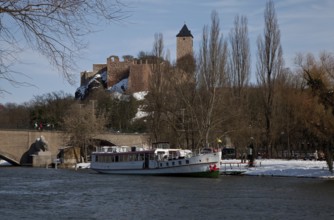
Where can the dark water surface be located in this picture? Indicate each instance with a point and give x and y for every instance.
(32, 193)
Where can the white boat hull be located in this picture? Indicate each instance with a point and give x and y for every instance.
(201, 165)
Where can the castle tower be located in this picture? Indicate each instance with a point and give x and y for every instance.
(184, 43)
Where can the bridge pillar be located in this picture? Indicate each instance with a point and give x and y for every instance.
(42, 159)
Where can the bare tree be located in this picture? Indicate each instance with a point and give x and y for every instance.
(49, 109)
(156, 96)
(164, 100)
(239, 59)
(319, 75)
(239, 74)
(211, 76)
(269, 65)
(15, 116)
(54, 28)
(158, 46)
(82, 124)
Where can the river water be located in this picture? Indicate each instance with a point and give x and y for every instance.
(40, 193)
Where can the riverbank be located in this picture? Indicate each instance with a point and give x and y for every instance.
(263, 167)
(289, 168)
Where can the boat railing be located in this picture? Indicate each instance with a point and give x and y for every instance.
(112, 149)
(118, 149)
(232, 167)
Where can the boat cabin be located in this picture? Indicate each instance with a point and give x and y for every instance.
(228, 153)
(172, 154)
(109, 154)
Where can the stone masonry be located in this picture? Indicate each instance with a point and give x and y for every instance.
(138, 72)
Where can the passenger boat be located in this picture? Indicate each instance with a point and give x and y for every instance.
(161, 161)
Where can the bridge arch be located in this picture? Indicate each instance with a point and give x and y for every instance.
(102, 142)
(9, 158)
(15, 144)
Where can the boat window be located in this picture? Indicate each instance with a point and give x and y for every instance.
(173, 163)
(160, 164)
(167, 164)
(180, 162)
(187, 161)
(151, 156)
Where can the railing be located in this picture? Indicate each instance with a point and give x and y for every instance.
(230, 168)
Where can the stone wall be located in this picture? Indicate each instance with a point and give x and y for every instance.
(88, 75)
(42, 159)
(117, 70)
(15, 144)
(184, 46)
(139, 78)
(137, 71)
(98, 67)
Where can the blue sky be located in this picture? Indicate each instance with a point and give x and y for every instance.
(306, 26)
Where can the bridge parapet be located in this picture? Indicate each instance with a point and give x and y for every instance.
(125, 139)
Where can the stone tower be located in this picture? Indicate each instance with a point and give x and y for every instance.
(184, 43)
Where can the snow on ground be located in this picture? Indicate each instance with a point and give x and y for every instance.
(140, 95)
(119, 87)
(140, 114)
(82, 166)
(4, 163)
(275, 167)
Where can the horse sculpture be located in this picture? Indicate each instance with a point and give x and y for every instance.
(40, 144)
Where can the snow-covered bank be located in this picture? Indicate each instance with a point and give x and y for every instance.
(292, 168)
(4, 163)
(82, 166)
(263, 167)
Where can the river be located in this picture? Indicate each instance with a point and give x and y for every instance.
(40, 193)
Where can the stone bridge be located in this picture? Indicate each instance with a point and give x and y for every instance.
(15, 145)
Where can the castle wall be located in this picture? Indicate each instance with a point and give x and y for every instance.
(87, 75)
(98, 67)
(137, 71)
(117, 70)
(139, 78)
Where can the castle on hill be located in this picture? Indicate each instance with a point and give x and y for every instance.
(134, 73)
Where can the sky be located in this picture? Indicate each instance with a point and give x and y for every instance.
(306, 27)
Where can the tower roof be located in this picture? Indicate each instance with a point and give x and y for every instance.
(184, 32)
